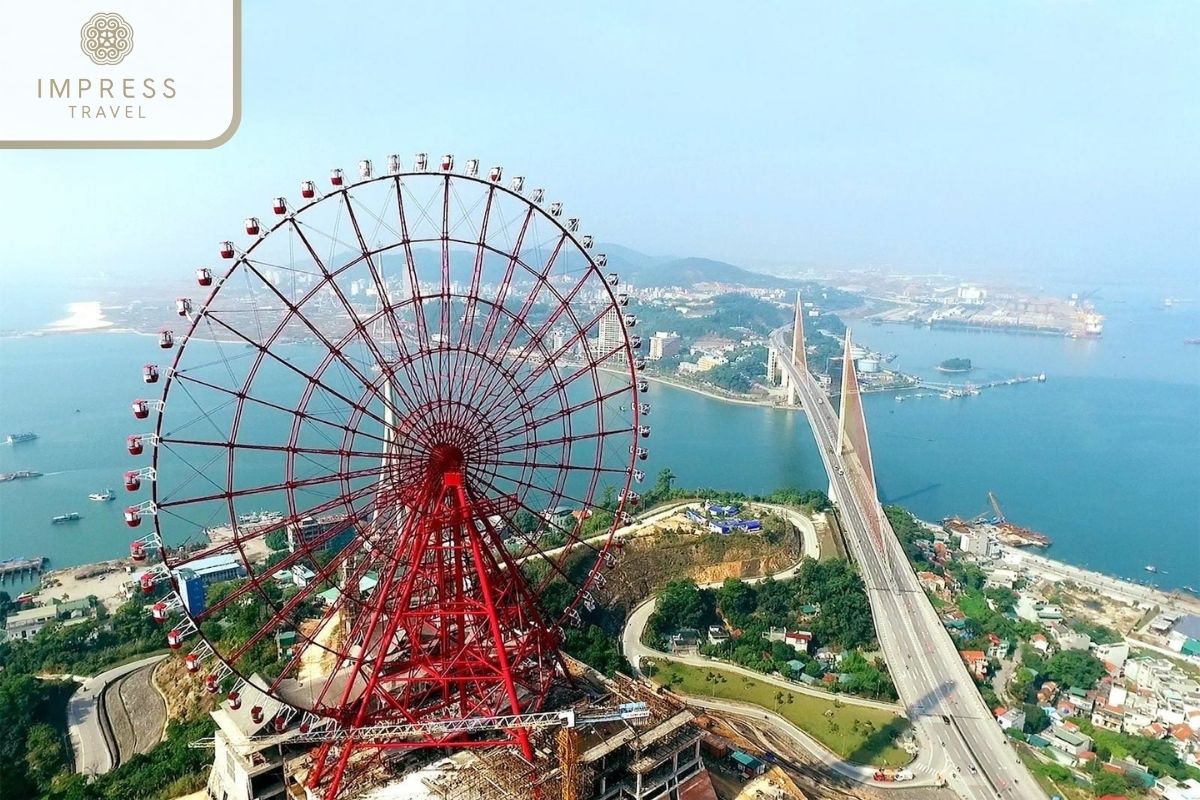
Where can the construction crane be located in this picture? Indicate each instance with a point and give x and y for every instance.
(333, 733)
(996, 507)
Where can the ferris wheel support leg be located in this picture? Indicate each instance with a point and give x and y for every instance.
(335, 782)
(320, 762)
(493, 620)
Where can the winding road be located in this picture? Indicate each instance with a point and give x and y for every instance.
(91, 736)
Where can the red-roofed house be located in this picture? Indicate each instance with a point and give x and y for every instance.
(976, 661)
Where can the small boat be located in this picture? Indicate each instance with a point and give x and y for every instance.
(61, 518)
(106, 495)
(18, 438)
(1151, 568)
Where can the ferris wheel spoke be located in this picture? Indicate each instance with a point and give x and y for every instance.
(363, 334)
(307, 417)
(270, 448)
(283, 613)
(558, 415)
(279, 487)
(381, 290)
(414, 283)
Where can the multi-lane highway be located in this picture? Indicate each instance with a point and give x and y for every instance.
(934, 686)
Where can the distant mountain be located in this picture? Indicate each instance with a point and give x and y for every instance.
(649, 271)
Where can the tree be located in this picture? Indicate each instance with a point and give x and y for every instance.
(679, 605)
(1075, 668)
(1104, 782)
(664, 483)
(277, 540)
(1036, 720)
(737, 601)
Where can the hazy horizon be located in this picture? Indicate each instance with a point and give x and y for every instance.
(1048, 142)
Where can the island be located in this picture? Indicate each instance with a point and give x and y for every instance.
(955, 365)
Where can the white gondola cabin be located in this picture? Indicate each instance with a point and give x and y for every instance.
(495, 174)
(635, 342)
(644, 408)
(538, 196)
(640, 452)
(150, 373)
(556, 209)
(573, 224)
(587, 242)
(630, 320)
(623, 298)
(365, 168)
(601, 259)
(421, 163)
(183, 306)
(613, 279)
(643, 385)
(395, 165)
(166, 339)
(639, 364)
(472, 167)
(141, 409)
(639, 476)
(644, 431)
(518, 184)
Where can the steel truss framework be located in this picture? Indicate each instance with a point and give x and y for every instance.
(427, 377)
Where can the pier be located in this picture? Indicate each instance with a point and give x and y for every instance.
(951, 390)
(21, 568)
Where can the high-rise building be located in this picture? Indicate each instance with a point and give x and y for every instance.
(774, 373)
(664, 345)
(612, 335)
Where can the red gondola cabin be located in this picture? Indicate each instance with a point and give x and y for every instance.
(204, 276)
(174, 639)
(133, 481)
(132, 518)
(137, 551)
(158, 612)
(279, 205)
(226, 249)
(134, 445)
(308, 190)
(150, 373)
(252, 226)
(337, 177)
(166, 340)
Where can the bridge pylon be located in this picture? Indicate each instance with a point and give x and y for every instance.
(853, 443)
(799, 355)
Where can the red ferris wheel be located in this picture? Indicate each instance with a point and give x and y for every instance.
(408, 417)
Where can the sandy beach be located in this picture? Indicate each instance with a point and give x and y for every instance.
(85, 316)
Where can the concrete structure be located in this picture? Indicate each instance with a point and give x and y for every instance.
(799, 353)
(310, 529)
(237, 774)
(28, 623)
(932, 681)
(664, 344)
(774, 372)
(1013, 718)
(612, 333)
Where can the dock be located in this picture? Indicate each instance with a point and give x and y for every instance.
(20, 568)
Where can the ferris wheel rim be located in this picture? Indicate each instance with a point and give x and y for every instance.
(244, 261)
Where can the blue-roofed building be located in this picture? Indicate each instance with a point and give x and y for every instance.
(723, 511)
(215, 569)
(191, 591)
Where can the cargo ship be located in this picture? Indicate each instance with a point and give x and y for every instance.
(17, 438)
(20, 474)
(103, 497)
(61, 518)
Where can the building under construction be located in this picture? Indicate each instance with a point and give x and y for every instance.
(652, 758)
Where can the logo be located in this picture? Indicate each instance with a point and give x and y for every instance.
(106, 38)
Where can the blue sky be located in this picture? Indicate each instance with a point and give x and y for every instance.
(1057, 139)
